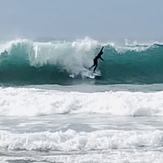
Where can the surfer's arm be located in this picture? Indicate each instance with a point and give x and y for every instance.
(102, 48)
(101, 58)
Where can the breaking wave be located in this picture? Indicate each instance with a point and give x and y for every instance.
(29, 62)
(38, 102)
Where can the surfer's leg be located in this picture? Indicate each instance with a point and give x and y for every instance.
(94, 64)
(95, 68)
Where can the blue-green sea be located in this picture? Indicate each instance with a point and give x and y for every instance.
(25, 61)
(52, 109)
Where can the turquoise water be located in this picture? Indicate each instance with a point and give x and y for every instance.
(55, 62)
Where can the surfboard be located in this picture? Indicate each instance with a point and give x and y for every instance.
(92, 75)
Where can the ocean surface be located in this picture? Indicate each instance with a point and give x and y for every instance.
(53, 111)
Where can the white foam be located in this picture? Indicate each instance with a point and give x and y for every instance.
(71, 140)
(131, 47)
(7, 45)
(34, 102)
(113, 157)
(73, 56)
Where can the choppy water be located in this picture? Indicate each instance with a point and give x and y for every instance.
(82, 138)
(48, 116)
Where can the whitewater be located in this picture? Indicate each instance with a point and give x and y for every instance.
(52, 111)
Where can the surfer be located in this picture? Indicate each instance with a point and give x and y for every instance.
(95, 60)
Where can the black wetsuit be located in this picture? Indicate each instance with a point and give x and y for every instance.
(95, 60)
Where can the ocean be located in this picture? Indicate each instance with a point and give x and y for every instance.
(52, 111)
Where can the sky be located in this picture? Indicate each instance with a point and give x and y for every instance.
(72, 19)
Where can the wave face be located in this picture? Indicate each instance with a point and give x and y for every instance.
(64, 62)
